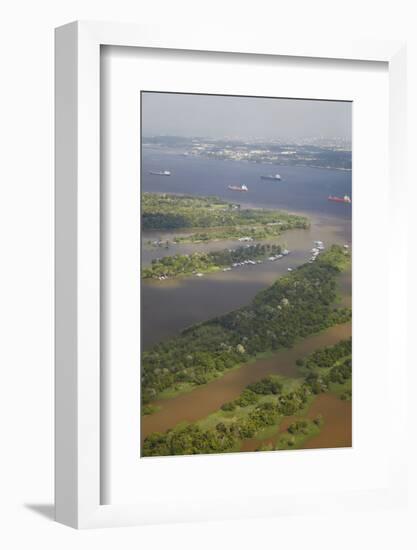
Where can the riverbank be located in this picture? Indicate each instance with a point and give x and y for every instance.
(295, 306)
(199, 263)
(173, 304)
(163, 211)
(274, 413)
(335, 430)
(181, 389)
(184, 388)
(197, 403)
(254, 232)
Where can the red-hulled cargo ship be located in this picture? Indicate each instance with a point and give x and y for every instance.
(237, 188)
(346, 199)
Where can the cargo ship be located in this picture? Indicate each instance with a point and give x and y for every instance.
(160, 173)
(275, 177)
(237, 188)
(346, 199)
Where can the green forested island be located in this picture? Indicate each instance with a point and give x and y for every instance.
(214, 218)
(260, 409)
(206, 262)
(295, 306)
(330, 369)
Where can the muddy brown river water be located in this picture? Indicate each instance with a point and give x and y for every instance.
(170, 306)
(335, 432)
(167, 307)
(207, 399)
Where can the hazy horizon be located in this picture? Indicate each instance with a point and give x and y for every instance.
(244, 118)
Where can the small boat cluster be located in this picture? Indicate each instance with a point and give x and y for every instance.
(284, 252)
(241, 264)
(315, 251)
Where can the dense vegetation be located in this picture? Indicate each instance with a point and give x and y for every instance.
(328, 367)
(186, 264)
(256, 412)
(261, 406)
(234, 232)
(189, 441)
(170, 212)
(295, 306)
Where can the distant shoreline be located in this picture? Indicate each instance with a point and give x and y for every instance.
(180, 153)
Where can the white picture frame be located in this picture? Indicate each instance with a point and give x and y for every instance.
(78, 405)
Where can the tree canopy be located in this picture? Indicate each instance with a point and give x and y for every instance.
(295, 306)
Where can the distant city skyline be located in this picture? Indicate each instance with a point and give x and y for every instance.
(245, 118)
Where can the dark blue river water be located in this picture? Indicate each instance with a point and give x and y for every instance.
(170, 306)
(302, 189)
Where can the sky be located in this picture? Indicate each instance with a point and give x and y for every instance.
(244, 118)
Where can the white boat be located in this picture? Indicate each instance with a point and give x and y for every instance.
(160, 173)
(275, 177)
(319, 245)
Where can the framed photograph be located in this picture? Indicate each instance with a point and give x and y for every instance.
(230, 333)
